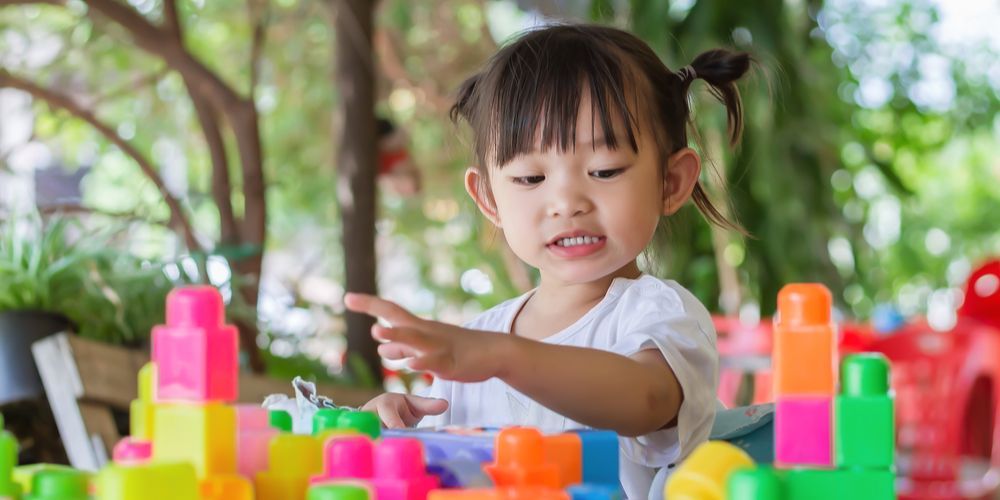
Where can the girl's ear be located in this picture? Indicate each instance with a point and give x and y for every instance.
(475, 185)
(680, 178)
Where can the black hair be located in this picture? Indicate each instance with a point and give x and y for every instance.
(538, 80)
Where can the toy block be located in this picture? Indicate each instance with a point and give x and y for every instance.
(151, 481)
(347, 457)
(226, 487)
(253, 436)
(338, 492)
(802, 432)
(400, 473)
(273, 486)
(59, 484)
(520, 493)
(473, 494)
(452, 444)
(326, 419)
(565, 451)
(864, 425)
(520, 460)
(295, 455)
(815, 484)
(761, 483)
(142, 410)
(593, 492)
(8, 460)
(460, 473)
(132, 451)
(704, 473)
(364, 422)
(195, 353)
(24, 475)
(805, 349)
(279, 420)
(204, 435)
(600, 457)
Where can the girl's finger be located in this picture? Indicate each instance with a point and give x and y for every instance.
(390, 416)
(396, 350)
(437, 363)
(407, 415)
(410, 337)
(379, 308)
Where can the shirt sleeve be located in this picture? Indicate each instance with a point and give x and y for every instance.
(675, 323)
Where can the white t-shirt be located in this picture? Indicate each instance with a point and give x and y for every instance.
(635, 314)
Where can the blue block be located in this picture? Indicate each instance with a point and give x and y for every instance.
(593, 492)
(600, 458)
(458, 473)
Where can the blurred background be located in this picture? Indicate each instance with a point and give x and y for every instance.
(284, 150)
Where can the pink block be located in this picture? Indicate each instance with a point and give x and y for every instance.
(803, 431)
(132, 451)
(400, 471)
(252, 417)
(251, 450)
(195, 353)
(346, 457)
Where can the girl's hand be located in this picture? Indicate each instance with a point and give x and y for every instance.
(398, 411)
(447, 351)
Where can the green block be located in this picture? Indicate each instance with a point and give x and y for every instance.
(863, 419)
(829, 484)
(326, 419)
(280, 419)
(864, 432)
(59, 484)
(759, 483)
(8, 460)
(338, 492)
(364, 422)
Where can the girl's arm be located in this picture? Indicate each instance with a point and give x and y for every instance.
(630, 395)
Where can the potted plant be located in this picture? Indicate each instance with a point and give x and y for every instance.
(56, 275)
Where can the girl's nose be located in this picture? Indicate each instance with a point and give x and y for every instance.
(569, 204)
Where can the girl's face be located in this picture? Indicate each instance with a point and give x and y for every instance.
(608, 201)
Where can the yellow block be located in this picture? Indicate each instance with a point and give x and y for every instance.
(295, 455)
(141, 410)
(202, 434)
(704, 473)
(271, 486)
(151, 481)
(227, 487)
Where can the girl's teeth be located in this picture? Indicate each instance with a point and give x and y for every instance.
(580, 240)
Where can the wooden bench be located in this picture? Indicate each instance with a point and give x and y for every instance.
(86, 381)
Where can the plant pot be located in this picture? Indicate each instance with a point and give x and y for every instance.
(18, 330)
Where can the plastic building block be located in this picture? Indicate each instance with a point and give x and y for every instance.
(520, 460)
(24, 475)
(338, 492)
(59, 484)
(226, 487)
(804, 342)
(594, 492)
(142, 410)
(150, 481)
(195, 353)
(364, 422)
(704, 473)
(273, 486)
(472, 444)
(565, 451)
(600, 457)
(129, 450)
(521, 493)
(400, 473)
(280, 420)
(863, 418)
(474, 494)
(326, 419)
(8, 460)
(760, 483)
(802, 431)
(347, 457)
(204, 435)
(295, 455)
(252, 439)
(839, 484)
(460, 473)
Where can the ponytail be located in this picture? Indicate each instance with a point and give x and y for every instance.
(720, 69)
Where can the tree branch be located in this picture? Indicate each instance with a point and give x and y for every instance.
(221, 185)
(6, 3)
(130, 87)
(259, 19)
(172, 21)
(392, 66)
(177, 217)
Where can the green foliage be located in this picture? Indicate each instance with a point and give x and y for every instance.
(63, 267)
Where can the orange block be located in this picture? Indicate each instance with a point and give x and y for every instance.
(805, 349)
(226, 487)
(566, 451)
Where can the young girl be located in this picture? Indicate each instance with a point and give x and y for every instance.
(581, 147)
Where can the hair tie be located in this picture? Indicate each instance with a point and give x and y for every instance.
(687, 74)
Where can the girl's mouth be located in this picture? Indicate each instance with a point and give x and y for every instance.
(577, 247)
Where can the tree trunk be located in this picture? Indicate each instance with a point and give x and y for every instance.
(356, 145)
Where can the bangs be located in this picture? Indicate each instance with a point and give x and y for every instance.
(538, 85)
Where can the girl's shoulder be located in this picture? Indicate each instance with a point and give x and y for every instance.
(664, 296)
(497, 317)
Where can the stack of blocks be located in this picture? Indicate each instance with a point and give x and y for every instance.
(187, 442)
(827, 445)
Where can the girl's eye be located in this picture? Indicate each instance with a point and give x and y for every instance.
(607, 174)
(528, 180)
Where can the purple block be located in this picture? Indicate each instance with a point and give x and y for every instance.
(803, 431)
